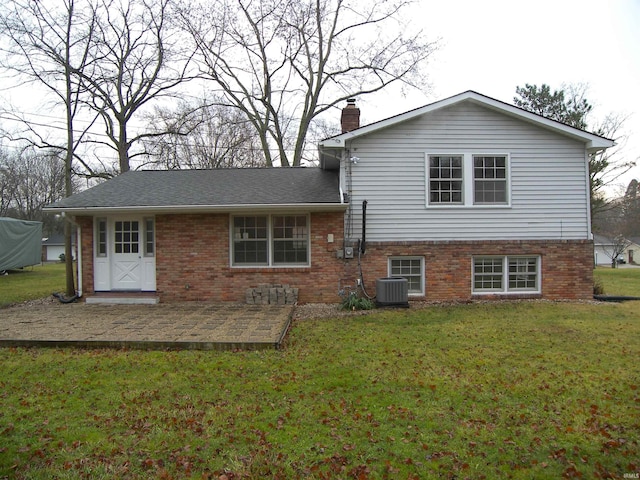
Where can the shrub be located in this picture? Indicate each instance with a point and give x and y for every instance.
(353, 302)
(598, 287)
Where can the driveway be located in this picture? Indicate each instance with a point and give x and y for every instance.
(201, 326)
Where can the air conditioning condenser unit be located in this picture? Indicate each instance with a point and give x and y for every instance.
(392, 292)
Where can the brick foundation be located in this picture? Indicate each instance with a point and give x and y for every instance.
(566, 266)
(193, 263)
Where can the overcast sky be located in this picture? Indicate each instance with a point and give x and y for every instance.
(492, 46)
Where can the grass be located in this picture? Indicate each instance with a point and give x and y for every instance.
(490, 390)
(500, 390)
(619, 281)
(31, 283)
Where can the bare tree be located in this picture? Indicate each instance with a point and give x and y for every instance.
(282, 63)
(31, 178)
(615, 248)
(570, 105)
(608, 166)
(139, 59)
(8, 184)
(52, 47)
(202, 135)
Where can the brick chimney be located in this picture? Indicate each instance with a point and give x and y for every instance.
(350, 119)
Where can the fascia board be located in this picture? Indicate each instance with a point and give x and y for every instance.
(183, 209)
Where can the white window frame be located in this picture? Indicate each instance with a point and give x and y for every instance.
(149, 236)
(468, 181)
(270, 241)
(101, 229)
(506, 275)
(485, 180)
(422, 270)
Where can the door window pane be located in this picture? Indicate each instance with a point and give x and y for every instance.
(126, 237)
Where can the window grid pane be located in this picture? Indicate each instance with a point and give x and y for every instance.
(523, 273)
(411, 269)
(445, 179)
(490, 179)
(487, 274)
(290, 239)
(126, 237)
(149, 237)
(102, 238)
(250, 240)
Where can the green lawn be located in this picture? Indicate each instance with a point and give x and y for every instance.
(619, 281)
(31, 283)
(496, 390)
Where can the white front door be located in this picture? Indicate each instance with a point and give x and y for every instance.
(126, 271)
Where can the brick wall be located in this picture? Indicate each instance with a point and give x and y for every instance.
(192, 261)
(86, 242)
(566, 266)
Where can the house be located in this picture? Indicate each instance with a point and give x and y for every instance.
(469, 197)
(210, 234)
(605, 248)
(466, 198)
(53, 247)
(632, 253)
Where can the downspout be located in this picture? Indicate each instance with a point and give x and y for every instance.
(363, 242)
(61, 298)
(79, 257)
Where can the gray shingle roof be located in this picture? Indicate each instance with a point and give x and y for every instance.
(209, 188)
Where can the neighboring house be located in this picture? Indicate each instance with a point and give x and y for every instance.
(53, 247)
(605, 248)
(632, 252)
(467, 198)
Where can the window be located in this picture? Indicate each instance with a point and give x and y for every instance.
(411, 268)
(506, 274)
(465, 179)
(149, 237)
(445, 179)
(126, 237)
(487, 274)
(489, 179)
(289, 239)
(523, 273)
(250, 240)
(270, 240)
(101, 237)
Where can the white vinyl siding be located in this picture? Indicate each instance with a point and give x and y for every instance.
(548, 193)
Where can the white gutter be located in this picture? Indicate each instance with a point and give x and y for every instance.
(313, 207)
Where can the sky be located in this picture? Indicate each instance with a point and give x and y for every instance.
(493, 46)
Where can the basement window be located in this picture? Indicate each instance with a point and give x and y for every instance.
(411, 268)
(509, 274)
